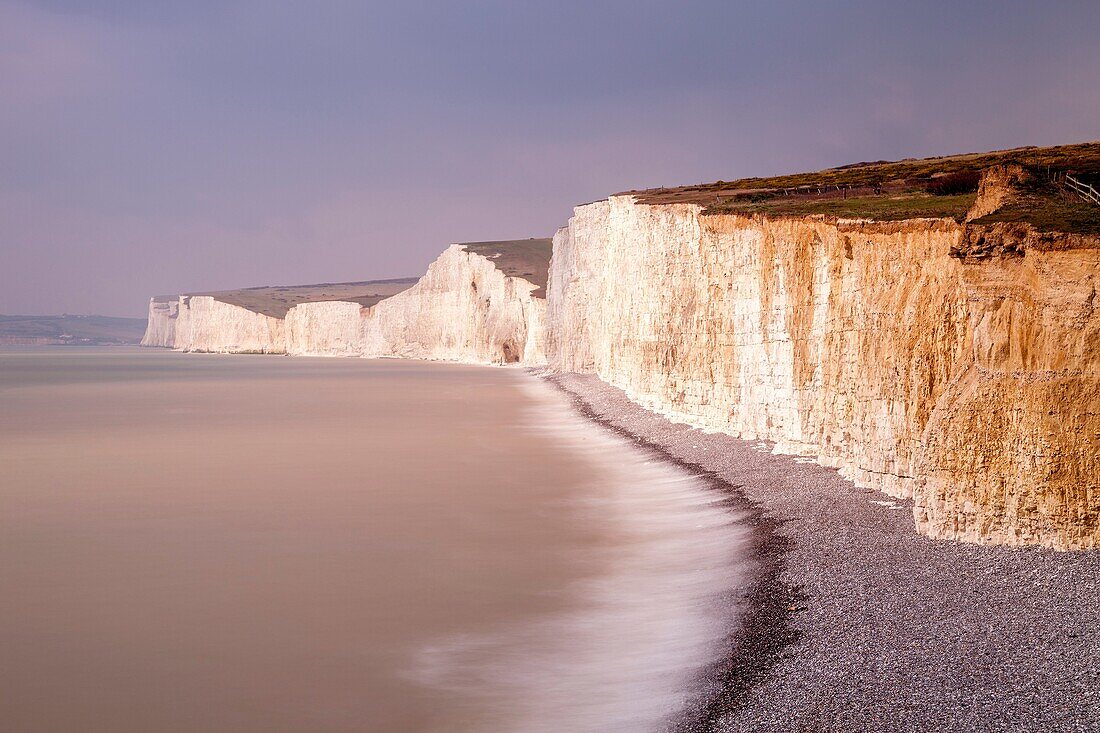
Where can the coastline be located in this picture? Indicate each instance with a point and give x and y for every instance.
(851, 620)
(855, 622)
(762, 626)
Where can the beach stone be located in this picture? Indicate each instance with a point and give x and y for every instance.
(895, 631)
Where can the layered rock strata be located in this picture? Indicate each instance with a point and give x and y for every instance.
(967, 383)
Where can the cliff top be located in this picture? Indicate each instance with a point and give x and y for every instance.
(940, 187)
(276, 300)
(524, 258)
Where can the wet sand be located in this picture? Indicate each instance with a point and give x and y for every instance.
(856, 623)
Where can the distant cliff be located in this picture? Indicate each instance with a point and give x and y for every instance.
(481, 302)
(160, 328)
(466, 308)
(931, 328)
(249, 320)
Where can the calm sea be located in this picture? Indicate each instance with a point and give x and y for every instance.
(259, 543)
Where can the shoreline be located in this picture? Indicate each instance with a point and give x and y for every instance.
(761, 627)
(852, 621)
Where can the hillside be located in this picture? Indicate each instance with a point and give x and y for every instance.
(276, 300)
(70, 330)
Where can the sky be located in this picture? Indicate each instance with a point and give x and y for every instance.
(151, 147)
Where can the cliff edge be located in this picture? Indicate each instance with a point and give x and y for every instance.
(952, 357)
(928, 327)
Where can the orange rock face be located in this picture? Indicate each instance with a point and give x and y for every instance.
(968, 383)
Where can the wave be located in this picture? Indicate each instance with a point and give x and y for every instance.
(640, 630)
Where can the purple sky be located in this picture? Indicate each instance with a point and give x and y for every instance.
(152, 147)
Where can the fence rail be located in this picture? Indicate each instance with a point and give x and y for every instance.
(1082, 189)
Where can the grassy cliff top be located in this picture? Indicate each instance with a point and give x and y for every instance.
(276, 300)
(905, 189)
(524, 258)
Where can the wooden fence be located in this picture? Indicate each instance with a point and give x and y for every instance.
(1082, 189)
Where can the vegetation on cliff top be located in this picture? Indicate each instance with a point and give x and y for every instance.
(524, 258)
(896, 207)
(1048, 208)
(276, 300)
(941, 187)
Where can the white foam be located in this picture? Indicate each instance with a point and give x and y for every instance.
(629, 654)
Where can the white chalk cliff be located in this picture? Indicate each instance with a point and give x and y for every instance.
(951, 362)
(970, 385)
(464, 309)
(209, 325)
(160, 329)
(326, 328)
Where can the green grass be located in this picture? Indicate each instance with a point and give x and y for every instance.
(896, 190)
(1049, 210)
(880, 208)
(1083, 157)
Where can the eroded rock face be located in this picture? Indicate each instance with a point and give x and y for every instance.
(463, 309)
(997, 187)
(957, 364)
(160, 329)
(330, 328)
(1012, 453)
(208, 325)
(968, 384)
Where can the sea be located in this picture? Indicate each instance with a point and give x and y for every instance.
(251, 543)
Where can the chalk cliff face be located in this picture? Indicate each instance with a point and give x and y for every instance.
(954, 362)
(208, 325)
(970, 384)
(160, 329)
(463, 309)
(1012, 450)
(201, 323)
(329, 328)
